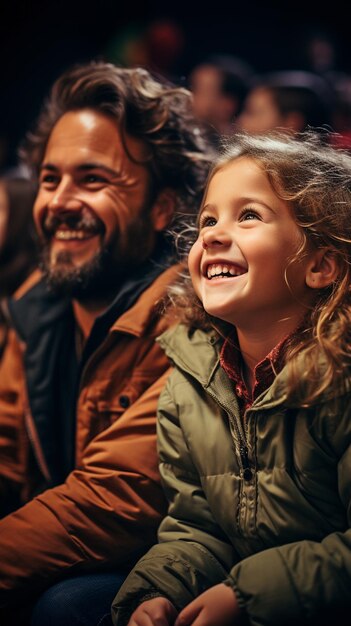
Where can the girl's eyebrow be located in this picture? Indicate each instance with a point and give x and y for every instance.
(200, 213)
(243, 200)
(257, 201)
(206, 207)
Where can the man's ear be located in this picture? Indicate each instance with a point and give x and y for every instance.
(163, 209)
(322, 270)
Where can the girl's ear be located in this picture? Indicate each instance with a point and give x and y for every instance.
(322, 270)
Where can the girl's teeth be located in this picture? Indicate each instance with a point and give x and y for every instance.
(217, 269)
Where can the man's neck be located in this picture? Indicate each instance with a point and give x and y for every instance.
(86, 312)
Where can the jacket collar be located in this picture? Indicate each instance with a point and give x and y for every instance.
(35, 306)
(198, 355)
(136, 320)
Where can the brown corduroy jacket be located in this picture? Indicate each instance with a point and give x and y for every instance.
(107, 511)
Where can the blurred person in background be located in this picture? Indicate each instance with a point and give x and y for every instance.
(17, 240)
(342, 111)
(289, 100)
(219, 85)
(319, 52)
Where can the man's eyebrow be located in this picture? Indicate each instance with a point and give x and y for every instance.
(82, 168)
(96, 165)
(48, 166)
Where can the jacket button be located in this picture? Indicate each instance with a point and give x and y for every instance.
(124, 402)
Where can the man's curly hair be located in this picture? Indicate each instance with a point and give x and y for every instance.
(149, 109)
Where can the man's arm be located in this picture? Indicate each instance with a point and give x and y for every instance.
(106, 512)
(12, 432)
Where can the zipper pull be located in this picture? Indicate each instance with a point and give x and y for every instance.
(247, 471)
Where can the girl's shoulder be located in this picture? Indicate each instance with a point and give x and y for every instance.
(332, 423)
(192, 350)
(180, 336)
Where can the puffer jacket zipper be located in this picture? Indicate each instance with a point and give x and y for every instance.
(246, 511)
(246, 466)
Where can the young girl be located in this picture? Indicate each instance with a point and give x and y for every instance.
(254, 423)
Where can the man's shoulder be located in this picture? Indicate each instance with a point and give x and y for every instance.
(31, 281)
(34, 306)
(148, 309)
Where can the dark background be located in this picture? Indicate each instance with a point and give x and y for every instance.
(40, 39)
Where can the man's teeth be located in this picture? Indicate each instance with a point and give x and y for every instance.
(218, 269)
(72, 234)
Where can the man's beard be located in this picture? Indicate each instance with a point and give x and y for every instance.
(101, 276)
(92, 279)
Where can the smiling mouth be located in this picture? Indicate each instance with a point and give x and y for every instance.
(223, 270)
(73, 235)
(78, 226)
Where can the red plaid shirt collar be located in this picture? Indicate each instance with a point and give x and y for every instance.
(265, 371)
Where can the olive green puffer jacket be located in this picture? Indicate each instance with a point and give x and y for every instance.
(261, 503)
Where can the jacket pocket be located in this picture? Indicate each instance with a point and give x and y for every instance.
(112, 405)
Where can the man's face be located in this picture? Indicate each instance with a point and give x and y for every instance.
(93, 210)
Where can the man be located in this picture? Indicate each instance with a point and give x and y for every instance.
(118, 155)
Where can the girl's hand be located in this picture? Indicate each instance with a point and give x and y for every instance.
(217, 606)
(155, 612)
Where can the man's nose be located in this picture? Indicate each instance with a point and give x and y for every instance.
(65, 198)
(216, 236)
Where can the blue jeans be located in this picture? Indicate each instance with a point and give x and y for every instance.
(80, 601)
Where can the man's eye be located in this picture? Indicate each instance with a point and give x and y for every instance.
(91, 179)
(48, 179)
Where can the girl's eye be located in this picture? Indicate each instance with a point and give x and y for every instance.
(249, 214)
(207, 220)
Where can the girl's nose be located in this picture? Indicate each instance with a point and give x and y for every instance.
(215, 236)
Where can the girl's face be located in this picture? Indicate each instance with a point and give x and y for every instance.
(247, 236)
